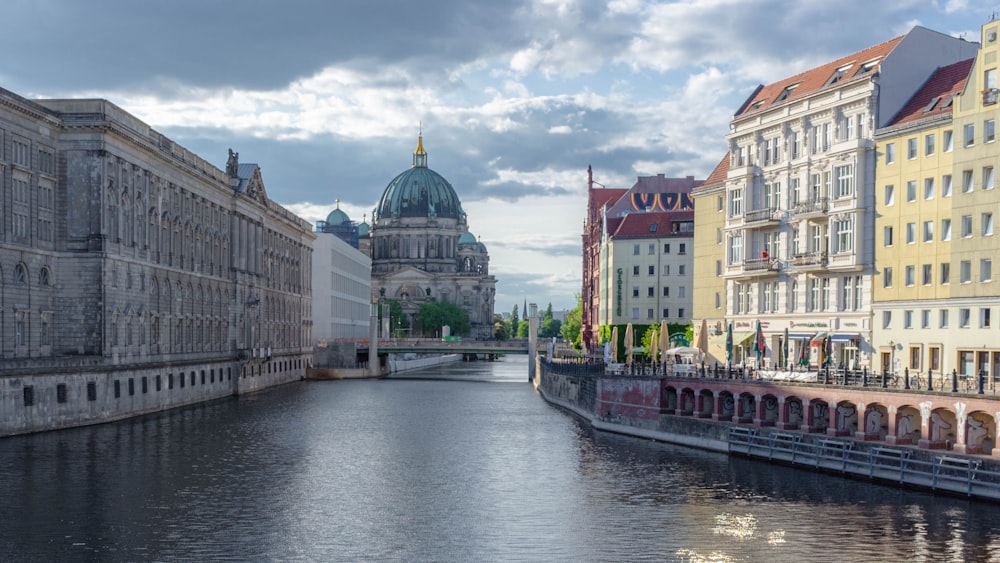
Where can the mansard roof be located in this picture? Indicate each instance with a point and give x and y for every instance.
(861, 64)
(650, 225)
(935, 97)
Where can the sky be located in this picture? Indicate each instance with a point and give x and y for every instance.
(515, 99)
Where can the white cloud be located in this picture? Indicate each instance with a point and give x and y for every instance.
(560, 130)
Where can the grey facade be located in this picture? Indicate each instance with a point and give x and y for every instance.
(134, 275)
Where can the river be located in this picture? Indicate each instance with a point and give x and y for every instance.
(460, 463)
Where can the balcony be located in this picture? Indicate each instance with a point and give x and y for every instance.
(760, 265)
(811, 207)
(760, 217)
(989, 96)
(810, 261)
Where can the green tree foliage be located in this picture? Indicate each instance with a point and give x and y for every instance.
(522, 329)
(549, 327)
(514, 320)
(433, 316)
(571, 326)
(398, 321)
(647, 339)
(500, 331)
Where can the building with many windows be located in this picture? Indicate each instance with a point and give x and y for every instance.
(342, 284)
(134, 275)
(709, 298)
(914, 192)
(800, 198)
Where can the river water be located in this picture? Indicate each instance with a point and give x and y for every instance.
(460, 463)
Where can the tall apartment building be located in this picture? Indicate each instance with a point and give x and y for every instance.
(914, 189)
(709, 302)
(598, 199)
(800, 197)
(134, 275)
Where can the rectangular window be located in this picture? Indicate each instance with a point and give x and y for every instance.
(845, 180)
(91, 391)
(963, 318)
(131, 386)
(907, 319)
(650, 292)
(635, 270)
(967, 181)
(986, 269)
(890, 153)
(635, 315)
(984, 317)
(680, 269)
(909, 274)
(28, 394)
(845, 235)
(966, 226)
(651, 270)
(887, 277)
(945, 273)
(118, 388)
(890, 195)
(635, 249)
(945, 229)
(926, 274)
(911, 148)
(649, 314)
(925, 318)
(987, 177)
(970, 135)
(947, 141)
(946, 185)
(928, 231)
(911, 233)
(145, 384)
(928, 188)
(666, 291)
(666, 313)
(680, 313)
(61, 393)
(886, 319)
(929, 144)
(682, 291)
(965, 271)
(666, 269)
(666, 248)
(682, 248)
(652, 246)
(736, 203)
(635, 291)
(887, 236)
(987, 224)
(718, 268)
(943, 318)
(989, 131)
(911, 190)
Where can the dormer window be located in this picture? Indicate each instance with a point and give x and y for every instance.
(786, 92)
(652, 227)
(932, 103)
(867, 67)
(838, 74)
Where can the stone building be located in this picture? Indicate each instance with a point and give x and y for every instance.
(134, 275)
(422, 250)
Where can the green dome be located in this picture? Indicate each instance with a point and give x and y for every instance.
(420, 192)
(467, 238)
(363, 229)
(337, 217)
(482, 248)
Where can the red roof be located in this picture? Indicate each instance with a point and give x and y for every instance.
(720, 172)
(940, 88)
(637, 225)
(818, 78)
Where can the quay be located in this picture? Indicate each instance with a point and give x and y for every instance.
(941, 439)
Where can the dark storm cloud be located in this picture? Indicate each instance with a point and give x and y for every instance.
(254, 44)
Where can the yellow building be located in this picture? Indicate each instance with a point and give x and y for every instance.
(914, 190)
(709, 299)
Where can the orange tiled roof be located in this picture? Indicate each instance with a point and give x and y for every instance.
(818, 78)
(945, 83)
(720, 172)
(637, 225)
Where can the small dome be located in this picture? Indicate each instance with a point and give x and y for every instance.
(363, 229)
(467, 238)
(337, 217)
(482, 248)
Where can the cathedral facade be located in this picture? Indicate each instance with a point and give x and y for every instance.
(422, 250)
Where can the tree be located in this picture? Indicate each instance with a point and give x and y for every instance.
(514, 320)
(433, 316)
(549, 328)
(522, 329)
(500, 328)
(571, 327)
(397, 319)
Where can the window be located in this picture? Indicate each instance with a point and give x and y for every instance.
(911, 190)
(718, 300)
(652, 229)
(945, 229)
(887, 236)
(987, 224)
(928, 231)
(966, 226)
(845, 235)
(650, 292)
(946, 185)
(909, 274)
(907, 319)
(635, 270)
(666, 312)
(635, 249)
(911, 148)
(984, 317)
(718, 268)
(967, 181)
(635, 315)
(947, 141)
(680, 269)
(736, 203)
(887, 277)
(925, 318)
(926, 274)
(945, 272)
(890, 195)
(652, 270)
(943, 318)
(845, 180)
(680, 313)
(666, 269)
(682, 249)
(929, 144)
(682, 291)
(666, 291)
(987, 177)
(928, 188)
(963, 318)
(886, 319)
(719, 202)
(965, 271)
(970, 135)
(666, 248)
(635, 291)
(649, 313)
(736, 249)
(989, 131)
(911, 233)
(986, 269)
(890, 153)
(28, 394)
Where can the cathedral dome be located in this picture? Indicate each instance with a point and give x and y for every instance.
(337, 217)
(467, 238)
(419, 192)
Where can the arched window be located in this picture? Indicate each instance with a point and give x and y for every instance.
(21, 275)
(45, 277)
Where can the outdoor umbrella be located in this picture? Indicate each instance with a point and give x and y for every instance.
(784, 349)
(614, 344)
(664, 337)
(759, 344)
(803, 354)
(829, 350)
(729, 343)
(654, 341)
(629, 342)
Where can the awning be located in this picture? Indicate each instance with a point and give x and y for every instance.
(820, 337)
(800, 336)
(843, 337)
(741, 337)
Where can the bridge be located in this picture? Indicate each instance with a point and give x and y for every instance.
(437, 346)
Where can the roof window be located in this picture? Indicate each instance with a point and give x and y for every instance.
(838, 74)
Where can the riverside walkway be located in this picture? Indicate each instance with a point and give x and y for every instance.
(437, 346)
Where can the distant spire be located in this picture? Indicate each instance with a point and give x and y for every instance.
(420, 155)
(338, 203)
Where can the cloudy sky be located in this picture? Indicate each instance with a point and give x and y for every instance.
(516, 98)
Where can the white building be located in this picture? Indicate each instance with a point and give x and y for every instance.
(342, 289)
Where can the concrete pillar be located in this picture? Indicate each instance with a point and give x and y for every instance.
(373, 367)
(532, 339)
(831, 419)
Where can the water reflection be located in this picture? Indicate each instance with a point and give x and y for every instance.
(462, 463)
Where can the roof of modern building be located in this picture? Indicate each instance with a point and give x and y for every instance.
(935, 97)
(650, 224)
(861, 64)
